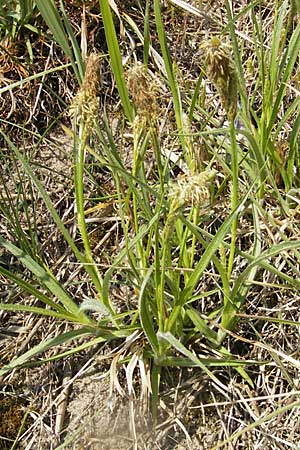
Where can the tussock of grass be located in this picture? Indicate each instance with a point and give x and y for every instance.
(164, 234)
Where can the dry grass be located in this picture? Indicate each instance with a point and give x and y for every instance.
(74, 401)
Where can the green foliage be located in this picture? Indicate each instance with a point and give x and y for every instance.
(166, 249)
(14, 15)
(62, 33)
(115, 57)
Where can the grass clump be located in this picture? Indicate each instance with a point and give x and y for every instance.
(191, 238)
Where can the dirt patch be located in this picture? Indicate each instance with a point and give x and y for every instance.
(101, 422)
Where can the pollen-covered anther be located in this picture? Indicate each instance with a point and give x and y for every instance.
(193, 190)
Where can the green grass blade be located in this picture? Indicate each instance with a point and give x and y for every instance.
(177, 345)
(28, 287)
(115, 57)
(145, 313)
(202, 326)
(170, 72)
(96, 341)
(42, 192)
(79, 149)
(42, 347)
(144, 229)
(263, 264)
(146, 33)
(230, 305)
(292, 156)
(33, 77)
(266, 418)
(75, 46)
(16, 307)
(238, 292)
(292, 323)
(52, 18)
(47, 279)
(211, 249)
(290, 58)
(273, 251)
(172, 361)
(26, 8)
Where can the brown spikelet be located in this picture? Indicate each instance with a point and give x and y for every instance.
(91, 77)
(221, 72)
(280, 161)
(144, 91)
(85, 105)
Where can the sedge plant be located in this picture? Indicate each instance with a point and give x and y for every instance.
(165, 248)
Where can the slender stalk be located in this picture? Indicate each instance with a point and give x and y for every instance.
(234, 194)
(79, 172)
(194, 239)
(146, 34)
